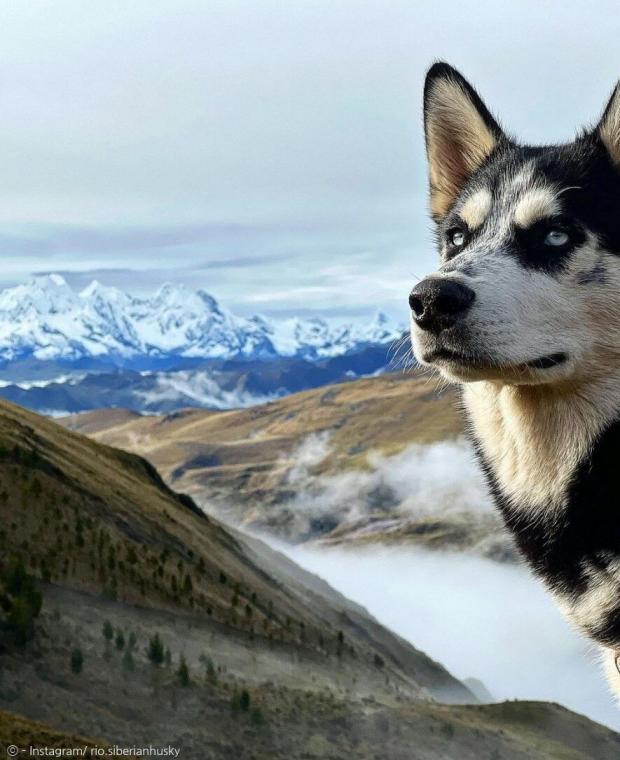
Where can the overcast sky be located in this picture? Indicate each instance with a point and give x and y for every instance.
(270, 152)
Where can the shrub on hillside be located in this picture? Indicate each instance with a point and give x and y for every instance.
(20, 604)
(107, 631)
(183, 673)
(77, 661)
(155, 651)
(119, 640)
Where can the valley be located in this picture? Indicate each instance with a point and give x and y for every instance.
(353, 463)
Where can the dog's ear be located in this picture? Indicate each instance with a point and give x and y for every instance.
(460, 134)
(609, 126)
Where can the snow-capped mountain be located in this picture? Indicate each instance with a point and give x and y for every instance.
(47, 320)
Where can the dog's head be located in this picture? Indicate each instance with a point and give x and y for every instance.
(528, 290)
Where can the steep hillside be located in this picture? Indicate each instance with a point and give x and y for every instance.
(288, 467)
(21, 732)
(96, 519)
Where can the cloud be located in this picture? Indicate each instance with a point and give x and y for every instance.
(197, 387)
(290, 133)
(422, 480)
(72, 239)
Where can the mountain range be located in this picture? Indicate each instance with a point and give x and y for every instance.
(63, 351)
(47, 320)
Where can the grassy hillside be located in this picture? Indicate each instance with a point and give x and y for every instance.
(195, 443)
(21, 732)
(101, 520)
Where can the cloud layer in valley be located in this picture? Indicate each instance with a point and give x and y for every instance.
(421, 480)
(479, 618)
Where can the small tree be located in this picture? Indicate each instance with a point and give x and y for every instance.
(119, 640)
(128, 661)
(187, 584)
(235, 705)
(244, 700)
(107, 631)
(77, 661)
(155, 650)
(20, 604)
(257, 716)
(183, 673)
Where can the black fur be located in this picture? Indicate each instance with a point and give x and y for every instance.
(587, 533)
(593, 204)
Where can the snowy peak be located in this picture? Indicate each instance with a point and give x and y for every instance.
(48, 294)
(47, 319)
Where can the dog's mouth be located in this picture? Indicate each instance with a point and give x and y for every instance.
(546, 362)
(549, 361)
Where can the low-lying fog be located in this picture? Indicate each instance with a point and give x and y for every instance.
(477, 617)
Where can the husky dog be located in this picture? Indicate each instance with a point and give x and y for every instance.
(524, 311)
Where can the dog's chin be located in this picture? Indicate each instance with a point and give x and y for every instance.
(459, 365)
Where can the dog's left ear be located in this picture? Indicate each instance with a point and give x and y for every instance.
(460, 134)
(608, 128)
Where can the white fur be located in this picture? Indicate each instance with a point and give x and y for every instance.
(609, 128)
(610, 667)
(600, 596)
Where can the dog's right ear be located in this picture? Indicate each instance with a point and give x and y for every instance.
(460, 134)
(609, 126)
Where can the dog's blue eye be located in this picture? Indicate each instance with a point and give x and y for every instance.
(556, 238)
(457, 238)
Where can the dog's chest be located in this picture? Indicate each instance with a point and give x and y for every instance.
(532, 449)
(557, 483)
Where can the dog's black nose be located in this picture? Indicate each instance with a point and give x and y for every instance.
(438, 302)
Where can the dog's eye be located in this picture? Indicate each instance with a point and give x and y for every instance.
(557, 238)
(456, 237)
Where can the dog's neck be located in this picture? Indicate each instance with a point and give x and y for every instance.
(553, 460)
(534, 437)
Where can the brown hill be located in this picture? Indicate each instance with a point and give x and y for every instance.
(239, 464)
(92, 518)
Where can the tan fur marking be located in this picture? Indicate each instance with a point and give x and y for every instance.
(476, 208)
(535, 436)
(458, 141)
(535, 205)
